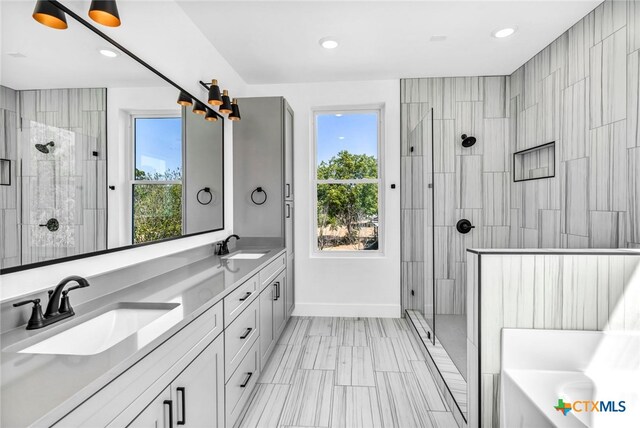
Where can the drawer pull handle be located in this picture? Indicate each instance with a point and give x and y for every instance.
(246, 333)
(182, 391)
(275, 297)
(246, 296)
(170, 404)
(246, 381)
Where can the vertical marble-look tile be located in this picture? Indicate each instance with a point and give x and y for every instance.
(445, 196)
(631, 293)
(575, 114)
(603, 291)
(515, 230)
(609, 17)
(603, 229)
(406, 188)
(496, 198)
(445, 295)
(497, 157)
(495, 97)
(444, 252)
(518, 290)
(580, 39)
(550, 108)
(633, 96)
(492, 312)
(608, 169)
(577, 197)
(444, 145)
(472, 298)
(469, 121)
(469, 182)
(633, 26)
(549, 232)
(633, 195)
(608, 80)
(469, 88)
(309, 400)
(418, 182)
(579, 293)
(355, 407)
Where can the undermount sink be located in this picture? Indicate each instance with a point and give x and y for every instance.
(246, 255)
(103, 331)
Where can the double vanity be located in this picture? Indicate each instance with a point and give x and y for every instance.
(152, 354)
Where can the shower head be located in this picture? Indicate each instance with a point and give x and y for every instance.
(44, 148)
(468, 141)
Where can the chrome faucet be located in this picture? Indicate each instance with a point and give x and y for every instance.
(58, 307)
(223, 247)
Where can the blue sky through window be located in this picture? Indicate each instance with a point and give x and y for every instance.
(158, 144)
(354, 132)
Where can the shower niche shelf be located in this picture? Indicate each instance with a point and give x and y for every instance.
(5, 172)
(535, 163)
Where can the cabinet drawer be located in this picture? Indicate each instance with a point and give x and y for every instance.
(269, 272)
(239, 299)
(241, 383)
(239, 336)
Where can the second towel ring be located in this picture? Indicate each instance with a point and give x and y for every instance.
(258, 190)
(205, 190)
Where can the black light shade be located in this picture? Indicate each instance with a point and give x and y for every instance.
(235, 111)
(214, 94)
(184, 99)
(225, 107)
(105, 12)
(48, 14)
(211, 116)
(199, 108)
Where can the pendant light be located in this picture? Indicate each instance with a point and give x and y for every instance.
(184, 99)
(105, 12)
(214, 93)
(235, 111)
(199, 108)
(225, 107)
(48, 14)
(211, 116)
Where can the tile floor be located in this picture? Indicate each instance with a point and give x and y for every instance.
(346, 372)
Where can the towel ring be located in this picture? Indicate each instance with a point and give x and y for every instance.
(258, 190)
(205, 190)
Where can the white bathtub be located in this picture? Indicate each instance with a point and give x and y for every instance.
(597, 373)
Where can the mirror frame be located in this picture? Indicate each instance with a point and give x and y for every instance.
(133, 56)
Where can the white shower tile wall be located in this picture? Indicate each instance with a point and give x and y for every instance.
(581, 91)
(68, 183)
(9, 247)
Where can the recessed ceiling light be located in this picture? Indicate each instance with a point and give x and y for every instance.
(338, 114)
(328, 43)
(109, 53)
(504, 32)
(340, 138)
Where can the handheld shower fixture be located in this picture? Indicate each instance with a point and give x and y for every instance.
(44, 148)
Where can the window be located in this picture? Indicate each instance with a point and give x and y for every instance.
(157, 184)
(347, 180)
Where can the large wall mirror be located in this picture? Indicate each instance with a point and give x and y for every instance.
(96, 153)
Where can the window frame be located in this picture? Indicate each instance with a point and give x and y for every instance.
(131, 164)
(379, 110)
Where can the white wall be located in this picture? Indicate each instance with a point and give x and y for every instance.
(343, 286)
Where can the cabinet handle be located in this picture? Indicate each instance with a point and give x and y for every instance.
(288, 211)
(278, 289)
(275, 285)
(246, 296)
(170, 404)
(246, 381)
(288, 190)
(182, 390)
(246, 333)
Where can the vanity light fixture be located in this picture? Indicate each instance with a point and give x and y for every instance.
(211, 116)
(503, 32)
(184, 99)
(225, 107)
(328, 43)
(215, 99)
(48, 14)
(105, 12)
(235, 111)
(109, 53)
(199, 108)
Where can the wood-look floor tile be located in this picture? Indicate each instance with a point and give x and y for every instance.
(282, 365)
(295, 332)
(395, 403)
(309, 400)
(443, 420)
(327, 353)
(355, 366)
(428, 386)
(388, 355)
(355, 407)
(265, 407)
(322, 326)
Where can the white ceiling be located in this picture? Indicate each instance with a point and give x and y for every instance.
(277, 41)
(61, 59)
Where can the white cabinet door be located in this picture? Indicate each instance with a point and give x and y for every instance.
(157, 414)
(279, 304)
(198, 392)
(289, 295)
(288, 152)
(266, 338)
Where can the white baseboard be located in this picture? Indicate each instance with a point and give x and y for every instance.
(346, 310)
